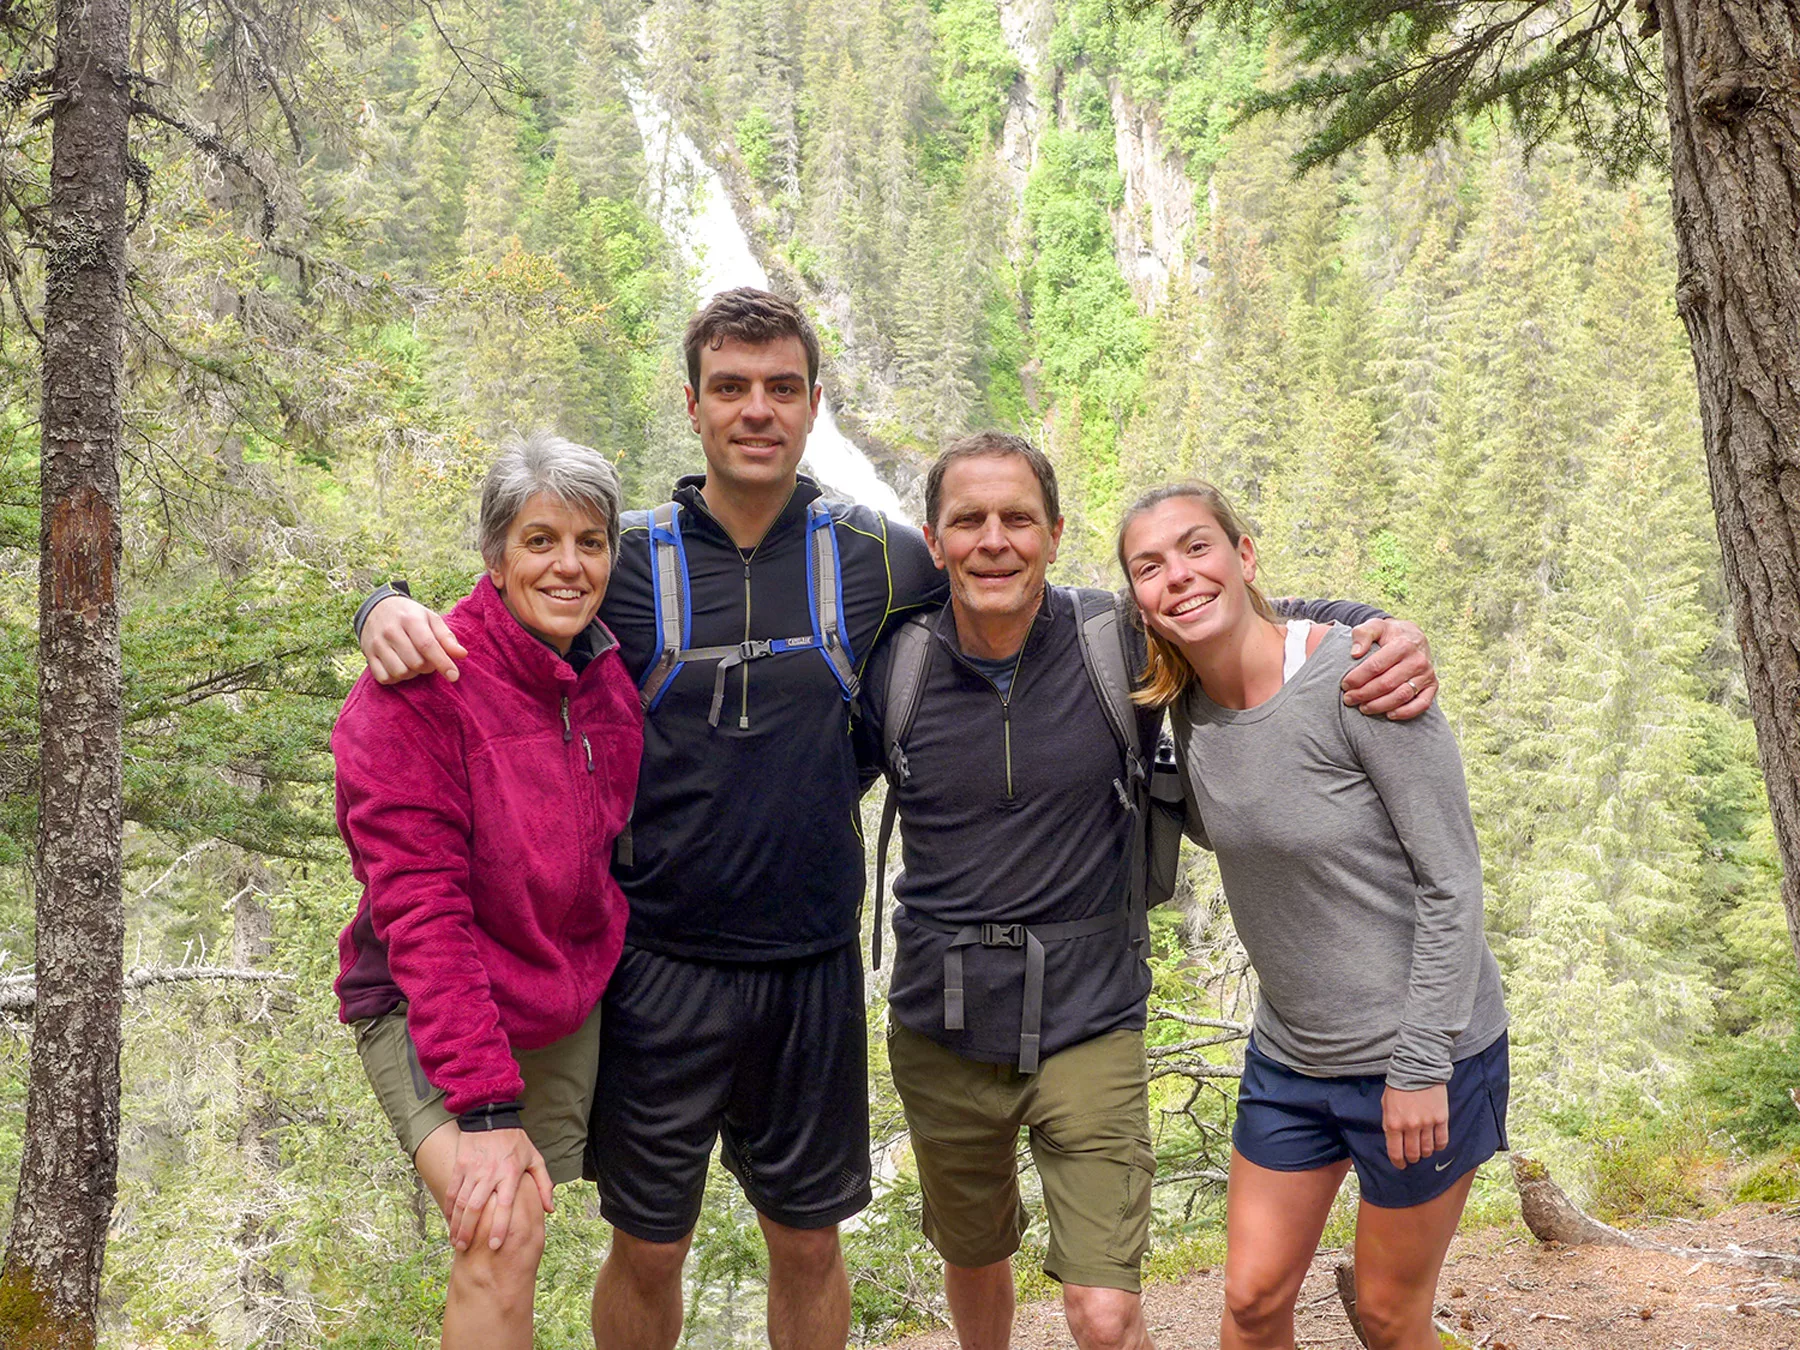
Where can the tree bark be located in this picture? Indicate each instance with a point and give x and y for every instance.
(50, 1286)
(1733, 73)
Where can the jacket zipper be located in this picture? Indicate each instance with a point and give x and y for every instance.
(1006, 705)
(744, 706)
(582, 815)
(744, 700)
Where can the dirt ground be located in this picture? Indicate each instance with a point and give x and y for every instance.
(1502, 1290)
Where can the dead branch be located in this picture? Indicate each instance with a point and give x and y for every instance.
(1188, 1019)
(18, 993)
(1553, 1217)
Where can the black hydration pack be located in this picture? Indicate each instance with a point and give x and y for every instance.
(1151, 792)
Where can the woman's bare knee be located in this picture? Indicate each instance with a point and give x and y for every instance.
(506, 1277)
(1260, 1303)
(1391, 1313)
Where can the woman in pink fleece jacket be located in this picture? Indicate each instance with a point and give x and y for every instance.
(480, 812)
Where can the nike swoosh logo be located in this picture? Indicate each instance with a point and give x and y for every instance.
(1441, 1166)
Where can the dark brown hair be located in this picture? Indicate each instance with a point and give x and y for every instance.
(991, 443)
(749, 315)
(1167, 674)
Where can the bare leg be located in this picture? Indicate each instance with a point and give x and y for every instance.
(1399, 1253)
(981, 1303)
(489, 1300)
(1105, 1319)
(637, 1297)
(1272, 1225)
(809, 1293)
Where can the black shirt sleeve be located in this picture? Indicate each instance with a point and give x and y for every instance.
(1347, 612)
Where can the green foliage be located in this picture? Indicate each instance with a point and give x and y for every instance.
(975, 67)
(1775, 1181)
(1747, 1080)
(1650, 1164)
(755, 135)
(1090, 337)
(1409, 75)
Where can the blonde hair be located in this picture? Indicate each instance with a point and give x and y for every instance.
(1167, 674)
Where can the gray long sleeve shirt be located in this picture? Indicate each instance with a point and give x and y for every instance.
(1350, 865)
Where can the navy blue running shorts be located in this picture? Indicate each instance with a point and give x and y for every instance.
(1291, 1122)
(770, 1059)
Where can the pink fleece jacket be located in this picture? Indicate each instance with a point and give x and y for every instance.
(480, 818)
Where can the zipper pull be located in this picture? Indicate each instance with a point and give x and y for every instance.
(568, 735)
(590, 751)
(1124, 799)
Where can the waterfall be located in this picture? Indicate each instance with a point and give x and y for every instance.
(693, 206)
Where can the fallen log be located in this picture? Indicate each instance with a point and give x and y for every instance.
(1553, 1217)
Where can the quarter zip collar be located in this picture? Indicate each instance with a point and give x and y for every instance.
(1049, 608)
(701, 520)
(534, 662)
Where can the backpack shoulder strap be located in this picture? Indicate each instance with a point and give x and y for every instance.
(669, 594)
(1101, 625)
(1106, 653)
(909, 653)
(825, 585)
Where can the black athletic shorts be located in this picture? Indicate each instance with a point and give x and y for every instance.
(772, 1058)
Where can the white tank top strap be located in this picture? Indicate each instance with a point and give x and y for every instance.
(1293, 654)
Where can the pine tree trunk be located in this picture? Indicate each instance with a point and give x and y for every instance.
(68, 1176)
(1733, 70)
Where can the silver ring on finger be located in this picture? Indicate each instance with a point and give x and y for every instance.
(1414, 686)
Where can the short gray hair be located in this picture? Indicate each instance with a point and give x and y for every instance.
(557, 468)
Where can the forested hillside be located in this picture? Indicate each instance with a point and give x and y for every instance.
(1454, 385)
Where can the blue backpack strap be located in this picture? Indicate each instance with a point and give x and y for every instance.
(825, 599)
(669, 594)
(674, 613)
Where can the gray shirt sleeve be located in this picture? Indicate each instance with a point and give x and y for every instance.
(1417, 770)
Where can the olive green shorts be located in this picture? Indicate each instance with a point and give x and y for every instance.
(559, 1089)
(1087, 1111)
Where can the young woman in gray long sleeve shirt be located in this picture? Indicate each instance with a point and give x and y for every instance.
(1349, 862)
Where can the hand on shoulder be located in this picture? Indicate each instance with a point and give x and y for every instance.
(402, 639)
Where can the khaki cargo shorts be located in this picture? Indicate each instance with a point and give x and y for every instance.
(559, 1089)
(1087, 1111)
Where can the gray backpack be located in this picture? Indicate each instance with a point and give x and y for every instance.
(1151, 792)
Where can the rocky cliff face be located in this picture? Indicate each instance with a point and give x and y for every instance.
(1026, 25)
(1154, 229)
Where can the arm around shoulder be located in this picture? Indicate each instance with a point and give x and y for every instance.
(401, 639)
